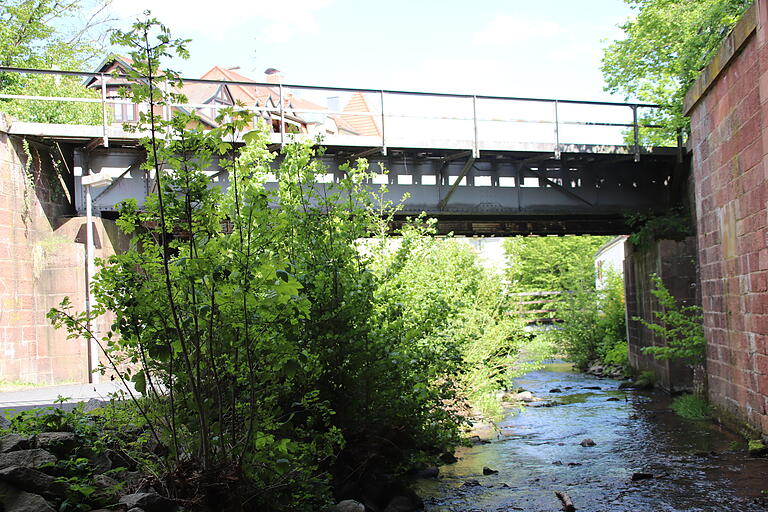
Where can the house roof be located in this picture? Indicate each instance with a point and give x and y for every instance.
(297, 109)
(362, 125)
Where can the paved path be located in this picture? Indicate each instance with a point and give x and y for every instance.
(42, 397)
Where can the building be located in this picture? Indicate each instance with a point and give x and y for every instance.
(297, 115)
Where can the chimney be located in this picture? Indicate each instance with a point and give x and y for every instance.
(273, 76)
(334, 103)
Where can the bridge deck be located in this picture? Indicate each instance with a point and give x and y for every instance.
(519, 188)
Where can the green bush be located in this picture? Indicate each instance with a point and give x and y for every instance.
(280, 352)
(679, 325)
(618, 355)
(593, 322)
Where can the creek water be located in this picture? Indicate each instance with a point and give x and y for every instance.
(697, 466)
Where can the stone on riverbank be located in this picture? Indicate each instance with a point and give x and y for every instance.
(757, 448)
(586, 443)
(350, 506)
(33, 481)
(489, 471)
(13, 442)
(33, 458)
(60, 444)
(16, 500)
(148, 501)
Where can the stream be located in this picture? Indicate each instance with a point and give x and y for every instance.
(697, 466)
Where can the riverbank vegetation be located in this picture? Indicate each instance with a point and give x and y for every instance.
(280, 361)
(591, 326)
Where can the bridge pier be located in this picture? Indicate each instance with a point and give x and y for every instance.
(674, 262)
(42, 260)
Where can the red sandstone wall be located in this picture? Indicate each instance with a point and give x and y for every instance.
(729, 135)
(40, 264)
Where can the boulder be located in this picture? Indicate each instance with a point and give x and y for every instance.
(401, 504)
(13, 442)
(641, 476)
(107, 486)
(34, 481)
(33, 458)
(757, 448)
(587, 443)
(432, 472)
(16, 500)
(525, 396)
(62, 444)
(148, 501)
(555, 390)
(472, 482)
(448, 458)
(101, 462)
(489, 471)
(93, 404)
(613, 399)
(350, 506)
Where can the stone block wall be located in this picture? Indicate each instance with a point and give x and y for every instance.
(728, 108)
(675, 263)
(42, 260)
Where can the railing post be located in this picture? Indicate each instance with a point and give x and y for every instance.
(476, 147)
(383, 135)
(636, 130)
(557, 132)
(282, 117)
(104, 136)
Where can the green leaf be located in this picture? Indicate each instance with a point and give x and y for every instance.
(140, 381)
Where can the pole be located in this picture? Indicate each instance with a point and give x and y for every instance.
(93, 354)
(104, 123)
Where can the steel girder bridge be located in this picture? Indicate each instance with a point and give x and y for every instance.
(481, 165)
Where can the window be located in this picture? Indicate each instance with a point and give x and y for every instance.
(125, 112)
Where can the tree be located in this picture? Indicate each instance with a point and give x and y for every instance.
(667, 43)
(47, 34)
(551, 263)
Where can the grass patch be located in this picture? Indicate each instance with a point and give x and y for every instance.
(691, 407)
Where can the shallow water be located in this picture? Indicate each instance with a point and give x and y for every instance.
(697, 466)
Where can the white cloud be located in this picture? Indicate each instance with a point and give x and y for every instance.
(506, 29)
(278, 22)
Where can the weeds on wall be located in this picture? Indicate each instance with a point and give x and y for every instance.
(675, 224)
(679, 325)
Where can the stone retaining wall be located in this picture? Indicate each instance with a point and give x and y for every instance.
(728, 107)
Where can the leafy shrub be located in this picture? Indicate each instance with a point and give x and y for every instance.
(680, 326)
(618, 355)
(593, 322)
(276, 352)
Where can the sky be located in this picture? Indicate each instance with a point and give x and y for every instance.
(531, 48)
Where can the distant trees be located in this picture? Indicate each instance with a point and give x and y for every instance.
(60, 34)
(545, 263)
(665, 46)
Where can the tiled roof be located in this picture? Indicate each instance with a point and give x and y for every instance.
(362, 125)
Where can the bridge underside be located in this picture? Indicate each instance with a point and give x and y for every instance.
(523, 190)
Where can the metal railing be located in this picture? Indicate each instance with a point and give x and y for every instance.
(387, 114)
